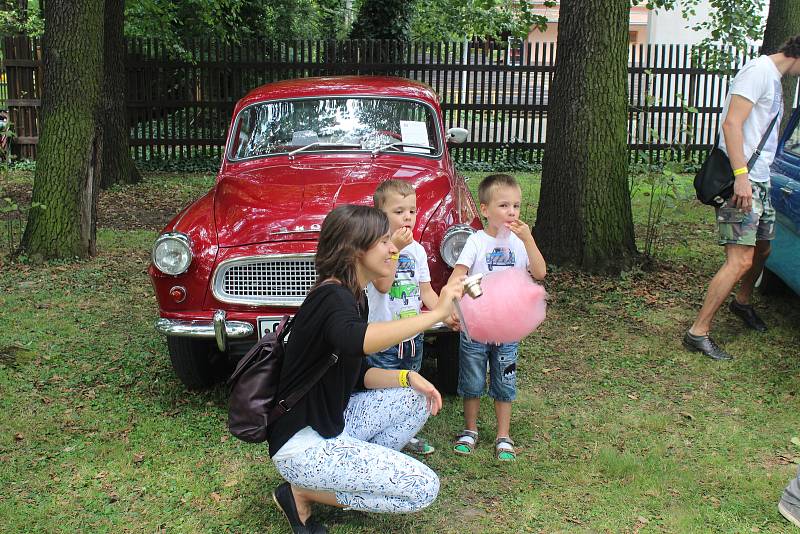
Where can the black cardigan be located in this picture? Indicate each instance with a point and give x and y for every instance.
(330, 320)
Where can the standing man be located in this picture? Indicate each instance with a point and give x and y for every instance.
(746, 221)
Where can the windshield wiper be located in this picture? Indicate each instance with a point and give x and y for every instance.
(397, 145)
(322, 145)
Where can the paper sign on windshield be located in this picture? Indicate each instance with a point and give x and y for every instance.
(414, 132)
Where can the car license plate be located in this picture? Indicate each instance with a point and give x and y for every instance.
(268, 324)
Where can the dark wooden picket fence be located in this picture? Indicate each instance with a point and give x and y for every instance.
(180, 103)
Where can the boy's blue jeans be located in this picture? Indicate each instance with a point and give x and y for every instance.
(502, 360)
(406, 355)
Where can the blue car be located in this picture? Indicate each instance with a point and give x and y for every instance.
(784, 261)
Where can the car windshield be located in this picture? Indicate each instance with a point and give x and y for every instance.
(334, 124)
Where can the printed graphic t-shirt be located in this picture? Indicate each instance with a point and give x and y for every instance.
(759, 81)
(483, 253)
(404, 298)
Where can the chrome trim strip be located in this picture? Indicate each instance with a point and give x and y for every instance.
(202, 329)
(216, 280)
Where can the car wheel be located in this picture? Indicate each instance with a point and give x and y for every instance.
(197, 362)
(770, 284)
(445, 349)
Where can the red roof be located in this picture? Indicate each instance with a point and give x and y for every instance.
(390, 86)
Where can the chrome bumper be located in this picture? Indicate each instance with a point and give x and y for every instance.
(218, 328)
(221, 329)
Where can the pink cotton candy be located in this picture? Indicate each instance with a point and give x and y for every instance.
(511, 307)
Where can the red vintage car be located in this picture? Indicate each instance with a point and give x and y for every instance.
(231, 264)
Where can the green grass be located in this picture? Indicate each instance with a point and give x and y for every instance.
(619, 430)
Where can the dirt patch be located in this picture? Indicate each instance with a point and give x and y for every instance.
(137, 209)
(149, 205)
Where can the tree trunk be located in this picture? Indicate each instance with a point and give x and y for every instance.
(584, 216)
(783, 22)
(118, 165)
(68, 164)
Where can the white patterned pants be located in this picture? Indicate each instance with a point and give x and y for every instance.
(363, 465)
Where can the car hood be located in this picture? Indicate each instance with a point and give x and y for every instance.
(289, 201)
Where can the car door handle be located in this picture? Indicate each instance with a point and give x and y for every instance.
(786, 191)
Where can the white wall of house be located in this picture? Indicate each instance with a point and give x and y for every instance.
(667, 26)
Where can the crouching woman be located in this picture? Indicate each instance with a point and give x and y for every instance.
(340, 444)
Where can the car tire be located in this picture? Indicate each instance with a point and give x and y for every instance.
(770, 284)
(197, 362)
(445, 349)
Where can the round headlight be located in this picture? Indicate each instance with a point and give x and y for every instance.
(453, 241)
(172, 253)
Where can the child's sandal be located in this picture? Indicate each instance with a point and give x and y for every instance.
(419, 446)
(504, 450)
(465, 442)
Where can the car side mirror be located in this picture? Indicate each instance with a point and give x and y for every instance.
(457, 135)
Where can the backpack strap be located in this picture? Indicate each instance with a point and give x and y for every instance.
(286, 404)
(752, 161)
(757, 153)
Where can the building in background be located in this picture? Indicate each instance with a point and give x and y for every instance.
(656, 26)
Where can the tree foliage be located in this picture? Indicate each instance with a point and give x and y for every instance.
(21, 17)
(454, 20)
(383, 19)
(176, 22)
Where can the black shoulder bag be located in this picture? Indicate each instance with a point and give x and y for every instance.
(714, 181)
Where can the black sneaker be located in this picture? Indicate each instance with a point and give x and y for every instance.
(705, 345)
(283, 497)
(748, 315)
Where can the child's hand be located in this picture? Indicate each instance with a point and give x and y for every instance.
(402, 237)
(453, 323)
(521, 230)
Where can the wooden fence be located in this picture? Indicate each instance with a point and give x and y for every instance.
(180, 104)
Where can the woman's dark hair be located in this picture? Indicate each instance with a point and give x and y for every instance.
(347, 230)
(791, 48)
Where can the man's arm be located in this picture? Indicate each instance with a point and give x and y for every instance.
(733, 128)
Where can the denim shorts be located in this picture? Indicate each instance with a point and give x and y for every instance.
(502, 360)
(406, 355)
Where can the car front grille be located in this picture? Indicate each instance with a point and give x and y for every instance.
(265, 280)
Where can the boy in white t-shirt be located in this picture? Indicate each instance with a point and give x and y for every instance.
(402, 295)
(506, 243)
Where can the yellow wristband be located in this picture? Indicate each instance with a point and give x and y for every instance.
(740, 171)
(402, 378)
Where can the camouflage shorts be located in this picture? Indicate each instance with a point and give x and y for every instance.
(739, 228)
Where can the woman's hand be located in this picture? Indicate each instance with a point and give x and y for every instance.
(453, 290)
(419, 384)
